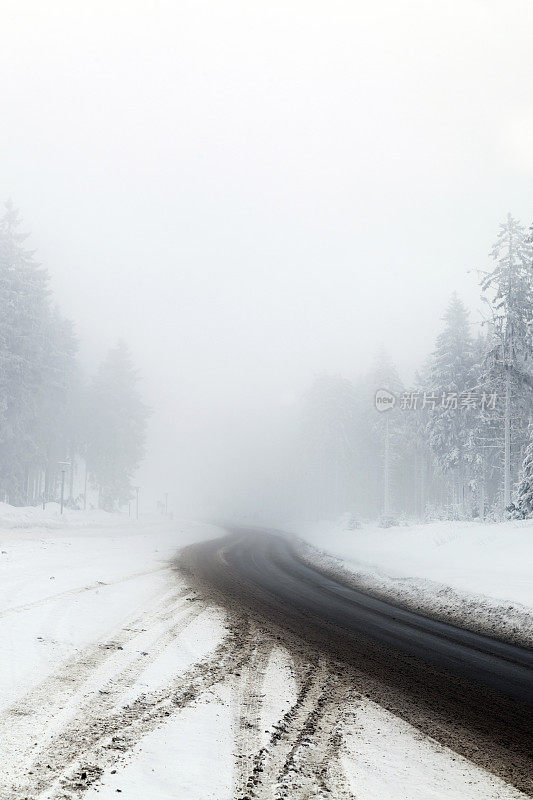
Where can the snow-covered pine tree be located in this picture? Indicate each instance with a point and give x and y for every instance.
(485, 454)
(116, 428)
(525, 488)
(509, 363)
(37, 365)
(450, 372)
(24, 314)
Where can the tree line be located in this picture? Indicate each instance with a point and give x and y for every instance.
(457, 443)
(51, 419)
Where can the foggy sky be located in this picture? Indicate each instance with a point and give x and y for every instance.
(253, 192)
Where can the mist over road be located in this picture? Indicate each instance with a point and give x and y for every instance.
(471, 693)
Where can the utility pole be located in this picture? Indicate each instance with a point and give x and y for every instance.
(63, 465)
(507, 365)
(507, 442)
(422, 486)
(386, 471)
(417, 485)
(85, 490)
(482, 492)
(137, 489)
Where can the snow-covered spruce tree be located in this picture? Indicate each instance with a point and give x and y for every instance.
(23, 314)
(485, 454)
(508, 367)
(449, 373)
(115, 428)
(525, 488)
(37, 363)
(24, 324)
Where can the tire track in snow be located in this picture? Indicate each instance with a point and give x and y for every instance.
(312, 767)
(97, 737)
(249, 692)
(93, 676)
(299, 760)
(79, 590)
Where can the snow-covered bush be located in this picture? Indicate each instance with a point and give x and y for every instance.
(388, 521)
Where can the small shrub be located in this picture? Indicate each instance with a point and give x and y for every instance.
(388, 521)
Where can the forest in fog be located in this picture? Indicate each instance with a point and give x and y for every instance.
(454, 443)
(55, 424)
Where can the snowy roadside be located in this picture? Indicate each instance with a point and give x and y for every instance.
(117, 677)
(67, 580)
(477, 575)
(50, 517)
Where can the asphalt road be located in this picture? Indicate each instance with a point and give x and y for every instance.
(470, 692)
(268, 563)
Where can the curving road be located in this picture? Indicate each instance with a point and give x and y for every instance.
(466, 690)
(270, 566)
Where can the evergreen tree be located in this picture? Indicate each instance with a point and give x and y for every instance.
(508, 365)
(24, 320)
(116, 428)
(46, 416)
(525, 489)
(485, 432)
(510, 286)
(450, 373)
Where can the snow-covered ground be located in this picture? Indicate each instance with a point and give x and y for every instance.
(116, 677)
(477, 572)
(64, 580)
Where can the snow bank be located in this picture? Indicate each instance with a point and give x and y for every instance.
(470, 573)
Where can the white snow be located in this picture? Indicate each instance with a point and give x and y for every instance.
(480, 569)
(387, 759)
(190, 757)
(65, 581)
(70, 585)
